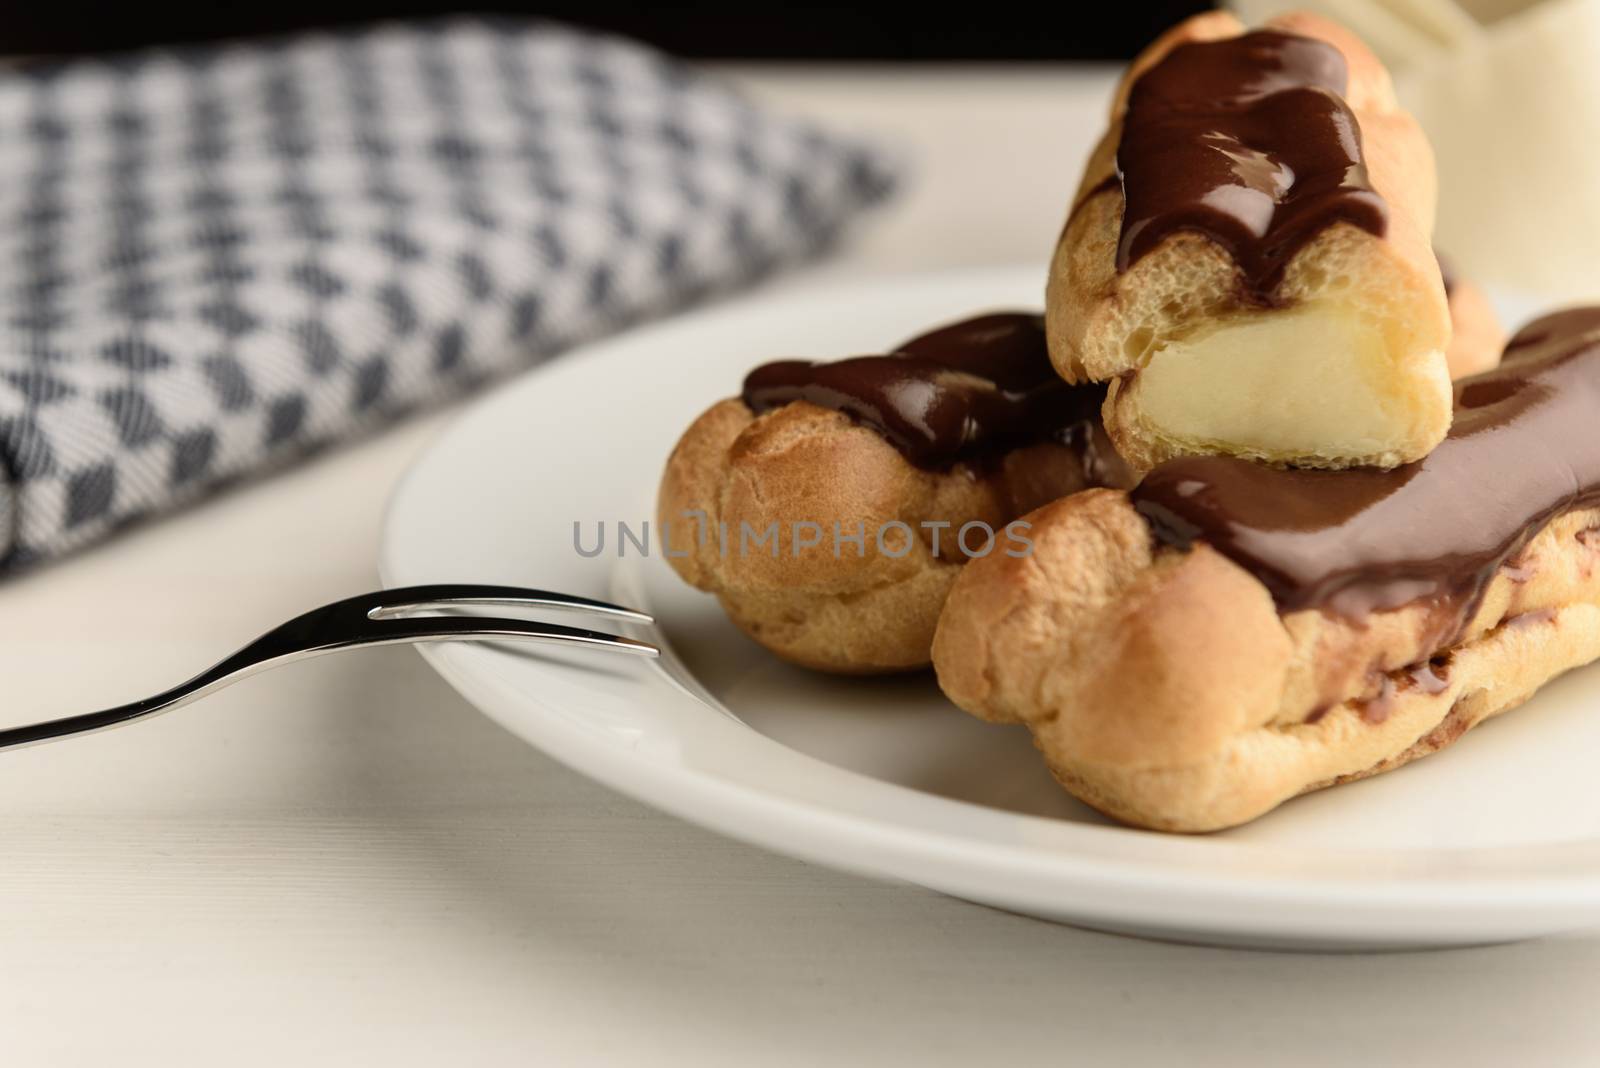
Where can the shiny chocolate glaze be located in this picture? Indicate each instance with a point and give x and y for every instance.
(1249, 141)
(1524, 448)
(962, 392)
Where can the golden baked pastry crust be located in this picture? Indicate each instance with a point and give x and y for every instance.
(1164, 688)
(852, 613)
(1109, 326)
(802, 463)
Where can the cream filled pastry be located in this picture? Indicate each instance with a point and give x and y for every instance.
(1247, 261)
(830, 505)
(1191, 654)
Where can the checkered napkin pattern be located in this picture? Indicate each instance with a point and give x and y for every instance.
(213, 261)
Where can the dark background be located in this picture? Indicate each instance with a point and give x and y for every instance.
(1102, 29)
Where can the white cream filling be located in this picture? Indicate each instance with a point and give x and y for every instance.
(1313, 380)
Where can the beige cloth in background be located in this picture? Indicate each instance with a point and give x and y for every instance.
(1509, 93)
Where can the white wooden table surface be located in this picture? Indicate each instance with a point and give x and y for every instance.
(342, 863)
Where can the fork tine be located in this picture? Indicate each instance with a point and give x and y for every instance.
(410, 629)
(456, 595)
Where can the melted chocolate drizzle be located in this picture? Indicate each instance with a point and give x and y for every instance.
(962, 392)
(1524, 448)
(1249, 141)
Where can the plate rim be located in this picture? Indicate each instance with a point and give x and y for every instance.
(1462, 894)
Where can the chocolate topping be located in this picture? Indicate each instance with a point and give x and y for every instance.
(1247, 140)
(1524, 448)
(974, 388)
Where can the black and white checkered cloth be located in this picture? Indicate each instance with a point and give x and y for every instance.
(212, 261)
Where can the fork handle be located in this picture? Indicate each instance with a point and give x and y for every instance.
(90, 722)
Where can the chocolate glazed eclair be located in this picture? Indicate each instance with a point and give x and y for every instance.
(965, 423)
(866, 471)
(1247, 259)
(1228, 635)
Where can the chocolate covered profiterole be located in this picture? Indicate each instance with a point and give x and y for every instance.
(1247, 261)
(870, 473)
(1228, 635)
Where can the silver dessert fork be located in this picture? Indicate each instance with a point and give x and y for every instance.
(382, 618)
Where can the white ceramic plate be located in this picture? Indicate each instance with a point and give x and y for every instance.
(1496, 839)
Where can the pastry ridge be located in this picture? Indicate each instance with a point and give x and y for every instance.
(1106, 645)
(848, 613)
